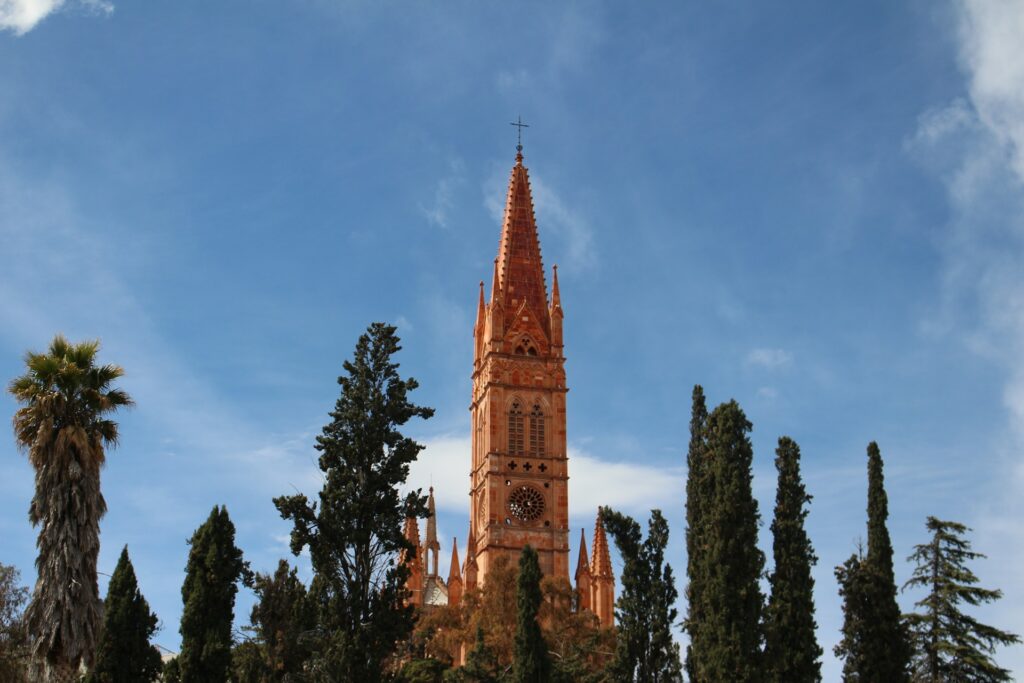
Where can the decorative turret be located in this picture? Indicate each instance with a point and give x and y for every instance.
(431, 547)
(454, 577)
(479, 328)
(583, 574)
(556, 315)
(469, 572)
(602, 587)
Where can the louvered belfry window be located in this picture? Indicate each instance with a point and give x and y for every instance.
(536, 430)
(516, 429)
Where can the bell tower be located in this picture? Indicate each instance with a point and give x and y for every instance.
(519, 475)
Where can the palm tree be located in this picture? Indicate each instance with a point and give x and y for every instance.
(61, 424)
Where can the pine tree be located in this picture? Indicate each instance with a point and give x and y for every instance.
(792, 653)
(281, 620)
(214, 568)
(530, 661)
(124, 654)
(645, 649)
(354, 534)
(731, 632)
(874, 645)
(696, 492)
(950, 645)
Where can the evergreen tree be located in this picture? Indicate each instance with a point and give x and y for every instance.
(855, 591)
(124, 654)
(792, 653)
(530, 661)
(874, 645)
(481, 664)
(886, 637)
(731, 632)
(696, 493)
(645, 649)
(950, 645)
(354, 534)
(249, 663)
(214, 568)
(281, 620)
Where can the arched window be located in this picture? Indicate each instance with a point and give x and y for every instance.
(536, 430)
(516, 431)
(526, 347)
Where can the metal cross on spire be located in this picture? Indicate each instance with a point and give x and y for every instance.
(518, 123)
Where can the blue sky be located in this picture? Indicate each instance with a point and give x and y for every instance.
(814, 208)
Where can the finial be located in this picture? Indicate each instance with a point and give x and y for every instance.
(518, 123)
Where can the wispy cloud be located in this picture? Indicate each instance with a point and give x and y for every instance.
(21, 16)
(771, 359)
(438, 212)
(976, 145)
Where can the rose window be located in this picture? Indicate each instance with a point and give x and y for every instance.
(526, 503)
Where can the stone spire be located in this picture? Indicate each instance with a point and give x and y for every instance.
(583, 574)
(454, 577)
(430, 544)
(469, 572)
(602, 587)
(520, 270)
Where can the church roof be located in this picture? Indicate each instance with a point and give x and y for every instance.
(520, 269)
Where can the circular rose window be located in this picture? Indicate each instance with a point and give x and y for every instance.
(526, 503)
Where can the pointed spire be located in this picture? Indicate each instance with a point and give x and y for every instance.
(556, 297)
(602, 565)
(496, 285)
(431, 539)
(583, 565)
(453, 571)
(481, 309)
(520, 269)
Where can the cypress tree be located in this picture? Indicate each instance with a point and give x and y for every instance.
(855, 591)
(792, 653)
(732, 604)
(530, 661)
(948, 644)
(214, 568)
(645, 649)
(874, 646)
(696, 492)
(124, 654)
(886, 637)
(481, 664)
(354, 534)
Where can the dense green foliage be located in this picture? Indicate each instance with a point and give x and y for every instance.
(281, 620)
(948, 644)
(530, 660)
(481, 664)
(354, 534)
(63, 425)
(124, 654)
(792, 653)
(874, 646)
(645, 649)
(214, 568)
(13, 643)
(696, 494)
(730, 635)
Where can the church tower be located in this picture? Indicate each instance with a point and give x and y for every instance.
(519, 475)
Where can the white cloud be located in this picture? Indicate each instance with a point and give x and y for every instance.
(977, 147)
(21, 16)
(444, 195)
(771, 359)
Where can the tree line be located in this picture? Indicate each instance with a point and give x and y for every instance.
(353, 622)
